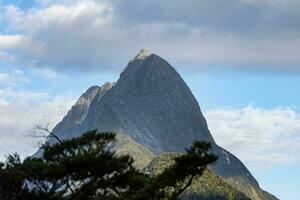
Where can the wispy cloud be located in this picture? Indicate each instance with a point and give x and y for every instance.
(262, 138)
(12, 79)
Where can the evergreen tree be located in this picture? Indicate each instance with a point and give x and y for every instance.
(173, 181)
(86, 168)
(79, 168)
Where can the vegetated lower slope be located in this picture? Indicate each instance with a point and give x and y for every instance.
(205, 187)
(125, 145)
(251, 190)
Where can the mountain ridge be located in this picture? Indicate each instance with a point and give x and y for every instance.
(152, 103)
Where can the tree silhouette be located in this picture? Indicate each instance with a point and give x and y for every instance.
(87, 168)
(173, 181)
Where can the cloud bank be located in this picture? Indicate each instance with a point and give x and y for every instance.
(262, 138)
(102, 35)
(21, 109)
(17, 120)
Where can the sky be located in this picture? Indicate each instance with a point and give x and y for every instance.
(240, 58)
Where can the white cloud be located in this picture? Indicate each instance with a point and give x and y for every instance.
(21, 109)
(40, 20)
(262, 138)
(12, 79)
(18, 117)
(47, 74)
(22, 95)
(9, 41)
(61, 36)
(5, 79)
(102, 35)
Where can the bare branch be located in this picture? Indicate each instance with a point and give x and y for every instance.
(44, 132)
(44, 128)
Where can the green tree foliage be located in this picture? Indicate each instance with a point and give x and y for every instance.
(85, 168)
(173, 181)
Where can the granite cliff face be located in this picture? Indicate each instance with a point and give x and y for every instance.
(151, 103)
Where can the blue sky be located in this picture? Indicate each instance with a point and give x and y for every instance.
(240, 59)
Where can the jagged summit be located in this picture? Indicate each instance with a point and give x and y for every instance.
(143, 54)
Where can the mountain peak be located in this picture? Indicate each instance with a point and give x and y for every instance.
(147, 74)
(152, 103)
(143, 54)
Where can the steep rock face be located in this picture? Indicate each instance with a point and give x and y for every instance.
(72, 123)
(153, 104)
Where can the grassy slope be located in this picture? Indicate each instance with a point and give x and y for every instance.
(208, 186)
(126, 145)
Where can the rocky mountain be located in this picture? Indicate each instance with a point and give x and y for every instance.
(152, 103)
